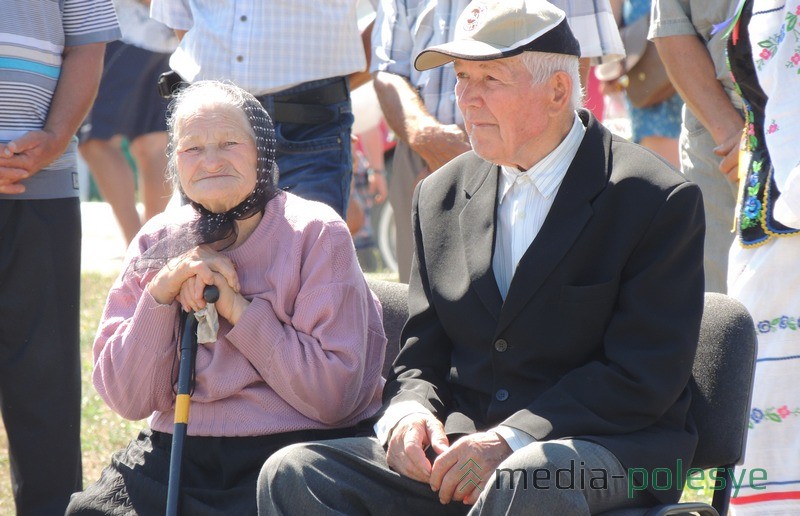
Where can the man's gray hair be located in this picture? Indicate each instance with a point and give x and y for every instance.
(542, 65)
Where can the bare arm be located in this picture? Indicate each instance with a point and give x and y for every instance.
(692, 73)
(360, 78)
(77, 86)
(406, 114)
(616, 10)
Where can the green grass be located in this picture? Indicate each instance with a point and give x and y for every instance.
(704, 494)
(102, 430)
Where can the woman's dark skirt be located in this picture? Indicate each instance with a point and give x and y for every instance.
(218, 476)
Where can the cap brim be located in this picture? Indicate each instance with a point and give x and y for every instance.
(555, 39)
(465, 49)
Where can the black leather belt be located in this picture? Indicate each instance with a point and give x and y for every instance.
(309, 106)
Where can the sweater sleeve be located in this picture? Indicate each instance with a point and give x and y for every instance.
(325, 357)
(135, 347)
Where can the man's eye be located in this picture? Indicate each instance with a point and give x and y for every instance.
(229, 144)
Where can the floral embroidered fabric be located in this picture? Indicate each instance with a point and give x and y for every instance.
(755, 223)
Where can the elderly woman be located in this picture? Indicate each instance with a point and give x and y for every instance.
(300, 343)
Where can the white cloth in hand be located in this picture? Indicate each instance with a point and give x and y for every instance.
(207, 324)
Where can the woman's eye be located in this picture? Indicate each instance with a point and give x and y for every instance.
(229, 144)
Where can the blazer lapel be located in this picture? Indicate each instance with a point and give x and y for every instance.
(571, 210)
(477, 222)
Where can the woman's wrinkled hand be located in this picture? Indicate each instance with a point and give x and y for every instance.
(203, 266)
(230, 304)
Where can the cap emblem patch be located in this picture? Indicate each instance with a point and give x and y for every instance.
(472, 20)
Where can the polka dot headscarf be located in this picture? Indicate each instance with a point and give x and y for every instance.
(211, 227)
(222, 225)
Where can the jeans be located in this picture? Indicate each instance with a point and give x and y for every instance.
(315, 160)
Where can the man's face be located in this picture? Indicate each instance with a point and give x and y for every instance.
(504, 112)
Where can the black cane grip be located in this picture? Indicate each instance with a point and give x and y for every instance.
(211, 293)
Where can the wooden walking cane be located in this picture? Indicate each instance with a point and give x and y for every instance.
(185, 380)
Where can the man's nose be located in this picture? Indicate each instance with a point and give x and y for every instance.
(469, 95)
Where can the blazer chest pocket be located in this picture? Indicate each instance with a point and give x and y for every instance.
(598, 293)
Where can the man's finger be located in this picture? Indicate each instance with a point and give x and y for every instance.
(438, 438)
(11, 174)
(441, 466)
(730, 165)
(471, 480)
(414, 454)
(27, 141)
(473, 496)
(12, 189)
(450, 482)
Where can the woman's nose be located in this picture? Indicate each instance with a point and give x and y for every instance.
(211, 159)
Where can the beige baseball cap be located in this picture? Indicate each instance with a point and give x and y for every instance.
(493, 29)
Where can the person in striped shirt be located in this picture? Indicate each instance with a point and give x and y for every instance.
(51, 56)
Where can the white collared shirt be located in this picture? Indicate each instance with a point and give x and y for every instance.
(523, 201)
(261, 46)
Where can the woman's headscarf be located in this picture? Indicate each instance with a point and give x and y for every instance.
(211, 227)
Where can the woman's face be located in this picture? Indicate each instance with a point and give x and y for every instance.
(216, 156)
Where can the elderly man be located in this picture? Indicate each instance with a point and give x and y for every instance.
(420, 106)
(555, 301)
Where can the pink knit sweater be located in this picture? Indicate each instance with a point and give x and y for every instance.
(307, 352)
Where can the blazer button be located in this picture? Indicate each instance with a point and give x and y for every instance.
(501, 395)
(501, 345)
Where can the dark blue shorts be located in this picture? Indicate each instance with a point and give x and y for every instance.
(128, 102)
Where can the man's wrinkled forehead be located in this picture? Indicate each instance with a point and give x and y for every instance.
(506, 67)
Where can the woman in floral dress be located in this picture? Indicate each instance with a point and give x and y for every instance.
(764, 269)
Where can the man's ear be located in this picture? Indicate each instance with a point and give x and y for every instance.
(561, 88)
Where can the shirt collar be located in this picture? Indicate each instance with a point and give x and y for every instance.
(548, 173)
